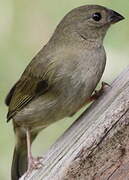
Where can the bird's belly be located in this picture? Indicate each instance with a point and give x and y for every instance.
(77, 100)
(40, 113)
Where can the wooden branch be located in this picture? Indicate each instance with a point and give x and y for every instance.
(96, 146)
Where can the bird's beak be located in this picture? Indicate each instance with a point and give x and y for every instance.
(115, 17)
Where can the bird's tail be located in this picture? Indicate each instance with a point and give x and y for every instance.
(20, 161)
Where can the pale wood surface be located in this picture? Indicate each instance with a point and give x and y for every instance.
(96, 146)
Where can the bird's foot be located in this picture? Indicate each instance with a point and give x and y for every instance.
(99, 92)
(95, 96)
(34, 163)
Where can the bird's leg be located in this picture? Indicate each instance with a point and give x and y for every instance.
(95, 96)
(33, 163)
(99, 92)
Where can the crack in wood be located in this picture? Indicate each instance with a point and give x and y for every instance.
(113, 172)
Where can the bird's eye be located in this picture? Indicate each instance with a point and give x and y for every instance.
(97, 16)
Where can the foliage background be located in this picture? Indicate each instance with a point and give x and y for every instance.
(25, 26)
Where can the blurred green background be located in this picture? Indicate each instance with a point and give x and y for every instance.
(25, 26)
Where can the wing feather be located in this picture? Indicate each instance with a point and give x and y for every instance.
(24, 91)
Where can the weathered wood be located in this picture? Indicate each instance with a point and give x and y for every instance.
(96, 146)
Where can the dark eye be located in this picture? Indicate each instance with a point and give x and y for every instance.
(97, 16)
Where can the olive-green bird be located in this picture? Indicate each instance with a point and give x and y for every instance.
(59, 80)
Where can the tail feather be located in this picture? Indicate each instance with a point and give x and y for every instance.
(19, 163)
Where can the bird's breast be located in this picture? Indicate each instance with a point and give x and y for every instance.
(85, 78)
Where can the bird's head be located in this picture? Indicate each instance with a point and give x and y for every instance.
(91, 22)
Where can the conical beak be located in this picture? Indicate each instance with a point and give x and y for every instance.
(115, 17)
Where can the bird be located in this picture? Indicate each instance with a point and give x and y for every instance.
(59, 80)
